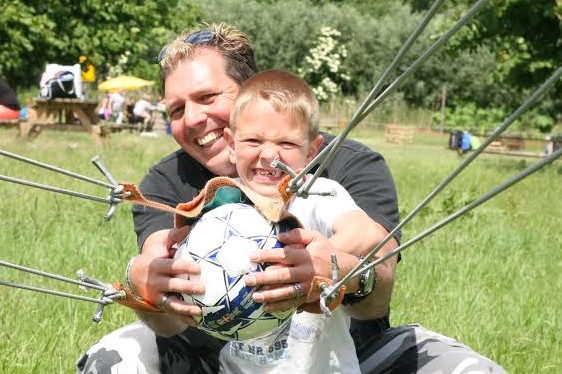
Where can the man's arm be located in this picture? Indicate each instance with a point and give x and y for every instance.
(174, 180)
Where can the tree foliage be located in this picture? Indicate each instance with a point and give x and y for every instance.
(526, 35)
(493, 62)
(484, 64)
(286, 31)
(35, 32)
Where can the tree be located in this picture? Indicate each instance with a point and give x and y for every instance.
(322, 66)
(285, 31)
(492, 62)
(526, 37)
(38, 32)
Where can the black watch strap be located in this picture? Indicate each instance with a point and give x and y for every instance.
(367, 283)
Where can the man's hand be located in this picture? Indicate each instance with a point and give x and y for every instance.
(154, 274)
(306, 254)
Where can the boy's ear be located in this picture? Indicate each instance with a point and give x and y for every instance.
(227, 135)
(315, 145)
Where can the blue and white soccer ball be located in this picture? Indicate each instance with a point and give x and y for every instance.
(221, 242)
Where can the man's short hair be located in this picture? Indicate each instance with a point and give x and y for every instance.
(285, 92)
(226, 39)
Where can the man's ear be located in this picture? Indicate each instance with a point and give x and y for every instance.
(315, 145)
(228, 138)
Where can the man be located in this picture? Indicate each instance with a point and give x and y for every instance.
(143, 108)
(201, 74)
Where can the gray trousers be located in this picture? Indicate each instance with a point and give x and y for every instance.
(404, 349)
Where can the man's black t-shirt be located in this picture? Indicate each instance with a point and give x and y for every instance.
(178, 178)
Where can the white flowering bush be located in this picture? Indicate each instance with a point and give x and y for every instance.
(120, 67)
(322, 67)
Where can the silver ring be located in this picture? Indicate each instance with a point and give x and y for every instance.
(298, 290)
(164, 302)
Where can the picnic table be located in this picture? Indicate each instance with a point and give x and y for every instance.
(64, 115)
(9, 122)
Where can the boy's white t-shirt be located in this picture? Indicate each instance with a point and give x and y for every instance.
(307, 343)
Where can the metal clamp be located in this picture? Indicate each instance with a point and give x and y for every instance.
(328, 294)
(293, 187)
(107, 295)
(116, 193)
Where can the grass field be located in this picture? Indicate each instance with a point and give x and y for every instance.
(490, 279)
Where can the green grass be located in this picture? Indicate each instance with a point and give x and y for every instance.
(490, 279)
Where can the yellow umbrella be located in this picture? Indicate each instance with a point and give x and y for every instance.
(124, 82)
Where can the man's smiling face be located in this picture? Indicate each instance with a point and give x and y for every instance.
(199, 96)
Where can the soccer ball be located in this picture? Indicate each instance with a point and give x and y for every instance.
(221, 242)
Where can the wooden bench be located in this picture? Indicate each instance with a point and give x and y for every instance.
(513, 143)
(18, 124)
(26, 129)
(496, 146)
(399, 134)
(113, 127)
(9, 123)
(331, 126)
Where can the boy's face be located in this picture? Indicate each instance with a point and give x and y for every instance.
(262, 135)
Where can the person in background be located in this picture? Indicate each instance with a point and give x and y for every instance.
(143, 108)
(161, 108)
(27, 111)
(9, 105)
(548, 146)
(117, 104)
(466, 142)
(129, 106)
(104, 108)
(201, 75)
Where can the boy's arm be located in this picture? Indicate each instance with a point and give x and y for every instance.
(344, 230)
(357, 234)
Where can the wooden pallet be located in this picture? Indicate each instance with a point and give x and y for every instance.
(399, 134)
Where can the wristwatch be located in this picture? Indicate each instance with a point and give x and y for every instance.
(367, 283)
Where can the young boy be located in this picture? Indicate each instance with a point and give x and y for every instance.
(276, 116)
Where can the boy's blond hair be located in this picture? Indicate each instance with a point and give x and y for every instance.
(285, 92)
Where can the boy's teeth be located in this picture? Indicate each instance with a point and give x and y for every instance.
(270, 173)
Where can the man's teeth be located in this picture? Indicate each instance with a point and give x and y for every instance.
(269, 173)
(209, 138)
